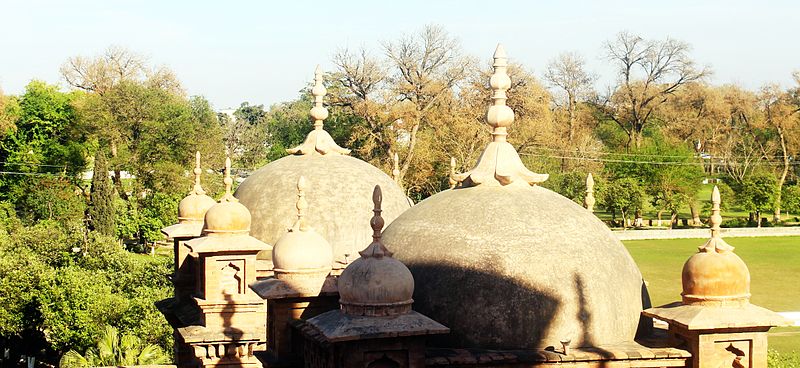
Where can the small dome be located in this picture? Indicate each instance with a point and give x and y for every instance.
(339, 183)
(193, 207)
(376, 284)
(228, 216)
(711, 277)
(507, 264)
(301, 249)
(715, 275)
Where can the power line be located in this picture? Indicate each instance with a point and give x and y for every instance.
(667, 163)
(599, 152)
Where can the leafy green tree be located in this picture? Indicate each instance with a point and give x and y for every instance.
(101, 210)
(756, 193)
(791, 199)
(623, 195)
(115, 350)
(51, 198)
(48, 140)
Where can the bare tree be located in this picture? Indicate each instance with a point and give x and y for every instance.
(781, 117)
(567, 73)
(98, 74)
(427, 66)
(649, 73)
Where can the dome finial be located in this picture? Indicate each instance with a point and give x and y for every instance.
(588, 200)
(452, 178)
(228, 181)
(376, 249)
(396, 168)
(715, 244)
(301, 205)
(197, 189)
(318, 140)
(499, 163)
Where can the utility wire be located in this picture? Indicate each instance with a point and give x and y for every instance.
(667, 163)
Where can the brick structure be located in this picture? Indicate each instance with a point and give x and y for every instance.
(715, 320)
(375, 326)
(302, 285)
(521, 276)
(191, 211)
(223, 323)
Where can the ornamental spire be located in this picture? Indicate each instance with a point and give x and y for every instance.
(228, 181)
(197, 189)
(318, 140)
(301, 206)
(376, 249)
(715, 244)
(589, 201)
(499, 164)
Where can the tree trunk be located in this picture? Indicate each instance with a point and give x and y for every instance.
(117, 179)
(695, 213)
(758, 218)
(624, 220)
(673, 219)
(776, 216)
(659, 217)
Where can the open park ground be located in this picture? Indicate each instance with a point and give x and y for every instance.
(774, 264)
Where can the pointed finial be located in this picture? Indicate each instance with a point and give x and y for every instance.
(197, 189)
(396, 168)
(499, 164)
(452, 178)
(715, 243)
(228, 181)
(319, 113)
(500, 116)
(318, 140)
(301, 205)
(376, 249)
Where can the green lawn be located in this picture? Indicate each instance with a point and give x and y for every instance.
(774, 264)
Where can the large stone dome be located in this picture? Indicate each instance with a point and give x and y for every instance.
(514, 267)
(337, 184)
(507, 264)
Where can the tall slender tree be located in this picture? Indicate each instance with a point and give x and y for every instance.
(101, 210)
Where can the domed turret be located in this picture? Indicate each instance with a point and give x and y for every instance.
(715, 275)
(508, 264)
(301, 254)
(376, 284)
(228, 216)
(193, 207)
(339, 183)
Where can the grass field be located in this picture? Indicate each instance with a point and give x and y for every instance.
(774, 264)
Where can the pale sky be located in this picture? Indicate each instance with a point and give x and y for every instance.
(264, 52)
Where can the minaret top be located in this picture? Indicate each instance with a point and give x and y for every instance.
(499, 164)
(228, 181)
(715, 243)
(197, 189)
(376, 249)
(318, 140)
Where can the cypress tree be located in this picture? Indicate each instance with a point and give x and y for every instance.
(101, 210)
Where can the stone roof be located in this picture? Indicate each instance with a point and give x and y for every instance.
(335, 326)
(508, 264)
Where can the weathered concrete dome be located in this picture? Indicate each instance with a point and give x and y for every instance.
(194, 206)
(340, 207)
(515, 267)
(227, 217)
(298, 251)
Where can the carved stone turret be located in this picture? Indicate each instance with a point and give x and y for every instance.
(715, 320)
(375, 326)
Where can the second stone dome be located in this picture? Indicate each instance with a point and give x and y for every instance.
(340, 207)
